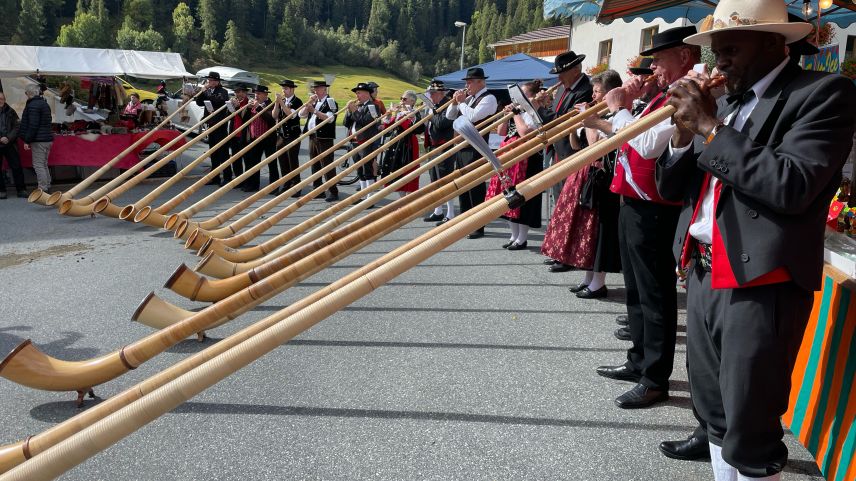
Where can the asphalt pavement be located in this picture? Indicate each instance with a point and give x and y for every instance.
(477, 364)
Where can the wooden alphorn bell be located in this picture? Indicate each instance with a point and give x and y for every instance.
(105, 205)
(14, 454)
(270, 248)
(127, 212)
(83, 206)
(40, 197)
(197, 242)
(78, 447)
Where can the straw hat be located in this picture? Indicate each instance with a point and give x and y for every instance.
(750, 15)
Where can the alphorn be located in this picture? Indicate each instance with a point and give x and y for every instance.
(40, 197)
(105, 205)
(14, 454)
(294, 206)
(28, 366)
(269, 248)
(203, 227)
(128, 211)
(78, 447)
(83, 206)
(157, 217)
(345, 240)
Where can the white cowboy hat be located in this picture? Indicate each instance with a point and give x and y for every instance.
(751, 15)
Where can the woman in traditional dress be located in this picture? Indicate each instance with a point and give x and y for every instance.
(583, 232)
(528, 216)
(406, 149)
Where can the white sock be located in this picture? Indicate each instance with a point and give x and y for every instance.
(522, 233)
(587, 278)
(401, 195)
(369, 184)
(598, 280)
(362, 185)
(450, 210)
(515, 230)
(438, 210)
(722, 471)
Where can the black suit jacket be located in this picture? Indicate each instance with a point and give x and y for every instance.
(778, 176)
(581, 93)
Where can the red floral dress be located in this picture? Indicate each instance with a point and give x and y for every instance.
(571, 236)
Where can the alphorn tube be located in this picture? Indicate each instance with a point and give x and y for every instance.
(104, 433)
(40, 197)
(105, 205)
(129, 210)
(346, 239)
(293, 207)
(14, 454)
(26, 365)
(156, 217)
(82, 207)
(222, 247)
(242, 205)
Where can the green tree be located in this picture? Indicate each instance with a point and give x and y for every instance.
(377, 30)
(140, 13)
(132, 39)
(231, 51)
(286, 34)
(208, 20)
(31, 23)
(183, 29)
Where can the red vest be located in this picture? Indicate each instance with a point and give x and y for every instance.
(642, 169)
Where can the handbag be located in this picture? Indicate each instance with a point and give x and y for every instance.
(596, 182)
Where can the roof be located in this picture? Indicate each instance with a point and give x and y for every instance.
(20, 60)
(231, 74)
(548, 33)
(509, 70)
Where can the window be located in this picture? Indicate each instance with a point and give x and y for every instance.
(647, 39)
(850, 51)
(604, 52)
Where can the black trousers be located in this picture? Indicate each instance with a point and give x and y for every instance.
(476, 195)
(221, 154)
(646, 233)
(289, 161)
(741, 349)
(235, 145)
(266, 147)
(10, 153)
(442, 169)
(367, 170)
(317, 146)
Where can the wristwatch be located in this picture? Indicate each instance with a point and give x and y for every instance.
(715, 130)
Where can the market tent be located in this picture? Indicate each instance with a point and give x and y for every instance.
(22, 60)
(231, 74)
(517, 68)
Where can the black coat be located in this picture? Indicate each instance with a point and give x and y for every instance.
(364, 115)
(439, 129)
(218, 97)
(778, 176)
(9, 123)
(581, 93)
(36, 121)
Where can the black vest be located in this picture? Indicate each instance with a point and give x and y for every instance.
(328, 131)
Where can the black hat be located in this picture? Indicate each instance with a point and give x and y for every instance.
(802, 46)
(363, 86)
(287, 83)
(318, 83)
(644, 67)
(475, 73)
(373, 85)
(437, 86)
(240, 87)
(566, 61)
(261, 89)
(214, 75)
(673, 37)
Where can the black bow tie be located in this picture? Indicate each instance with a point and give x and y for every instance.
(741, 98)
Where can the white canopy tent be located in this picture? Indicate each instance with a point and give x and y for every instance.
(22, 60)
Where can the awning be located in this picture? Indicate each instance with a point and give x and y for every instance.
(21, 60)
(517, 68)
(842, 13)
(571, 8)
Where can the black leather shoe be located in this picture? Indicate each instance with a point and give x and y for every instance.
(3, 194)
(641, 396)
(622, 333)
(433, 218)
(587, 293)
(559, 267)
(518, 247)
(622, 320)
(688, 449)
(550, 262)
(22, 194)
(296, 195)
(445, 219)
(619, 373)
(331, 198)
(507, 244)
(214, 181)
(578, 287)
(476, 234)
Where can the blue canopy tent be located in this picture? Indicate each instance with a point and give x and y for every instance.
(517, 68)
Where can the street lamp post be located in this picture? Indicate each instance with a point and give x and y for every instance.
(463, 25)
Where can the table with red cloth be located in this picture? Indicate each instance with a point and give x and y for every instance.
(97, 150)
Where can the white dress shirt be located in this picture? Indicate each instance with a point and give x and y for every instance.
(702, 228)
(651, 143)
(304, 112)
(486, 107)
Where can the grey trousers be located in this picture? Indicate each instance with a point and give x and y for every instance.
(40, 163)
